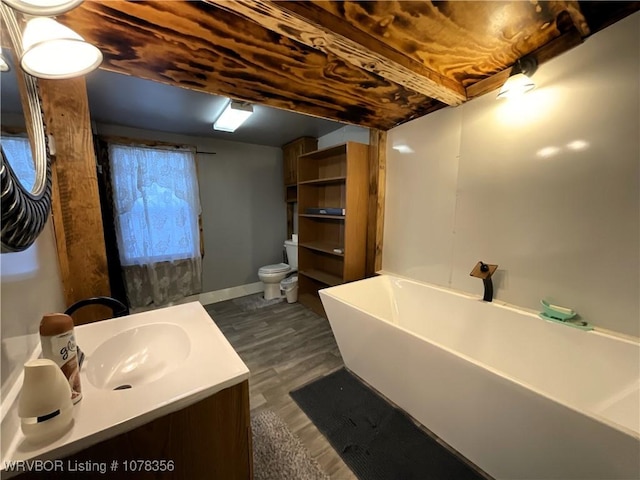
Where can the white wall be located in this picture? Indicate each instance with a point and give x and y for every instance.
(348, 133)
(30, 287)
(243, 209)
(548, 187)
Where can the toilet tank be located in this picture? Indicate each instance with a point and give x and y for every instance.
(292, 253)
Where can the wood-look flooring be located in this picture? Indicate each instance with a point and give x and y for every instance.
(285, 346)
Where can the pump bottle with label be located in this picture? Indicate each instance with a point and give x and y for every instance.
(59, 344)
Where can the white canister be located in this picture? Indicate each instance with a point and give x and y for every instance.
(44, 407)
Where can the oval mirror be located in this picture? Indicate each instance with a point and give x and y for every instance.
(25, 185)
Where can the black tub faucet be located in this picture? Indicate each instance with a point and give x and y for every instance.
(484, 271)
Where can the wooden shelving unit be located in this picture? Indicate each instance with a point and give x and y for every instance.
(290, 153)
(325, 181)
(331, 248)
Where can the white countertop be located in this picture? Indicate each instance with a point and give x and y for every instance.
(211, 365)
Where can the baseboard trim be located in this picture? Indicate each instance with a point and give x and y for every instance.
(216, 296)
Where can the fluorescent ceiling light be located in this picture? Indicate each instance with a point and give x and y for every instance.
(234, 115)
(43, 7)
(54, 51)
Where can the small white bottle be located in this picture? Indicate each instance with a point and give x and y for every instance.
(59, 344)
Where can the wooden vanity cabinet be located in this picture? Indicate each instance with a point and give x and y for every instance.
(210, 439)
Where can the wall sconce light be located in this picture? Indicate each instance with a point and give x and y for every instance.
(46, 48)
(234, 115)
(48, 8)
(519, 81)
(52, 50)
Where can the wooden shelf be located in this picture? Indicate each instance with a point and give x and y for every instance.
(314, 215)
(322, 277)
(324, 181)
(290, 153)
(322, 247)
(328, 163)
(335, 177)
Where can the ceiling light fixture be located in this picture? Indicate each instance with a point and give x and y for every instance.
(519, 81)
(54, 51)
(48, 8)
(234, 115)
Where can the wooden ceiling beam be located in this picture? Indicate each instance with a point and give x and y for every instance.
(315, 27)
(198, 46)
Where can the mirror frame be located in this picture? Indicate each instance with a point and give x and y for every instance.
(25, 213)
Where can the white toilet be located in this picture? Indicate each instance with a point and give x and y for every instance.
(272, 275)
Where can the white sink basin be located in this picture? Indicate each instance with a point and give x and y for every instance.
(171, 357)
(137, 356)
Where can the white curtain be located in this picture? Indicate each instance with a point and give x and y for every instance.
(156, 208)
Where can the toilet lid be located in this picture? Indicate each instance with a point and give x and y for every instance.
(275, 268)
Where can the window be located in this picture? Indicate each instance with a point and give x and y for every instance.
(18, 151)
(20, 265)
(156, 204)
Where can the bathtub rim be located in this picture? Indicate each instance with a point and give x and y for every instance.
(630, 339)
(594, 416)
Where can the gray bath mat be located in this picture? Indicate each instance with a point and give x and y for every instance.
(278, 453)
(250, 303)
(376, 440)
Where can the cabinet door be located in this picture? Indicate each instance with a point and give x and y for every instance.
(290, 157)
(291, 152)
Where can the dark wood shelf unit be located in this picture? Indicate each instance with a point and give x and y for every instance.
(325, 247)
(291, 194)
(334, 177)
(324, 181)
(290, 153)
(308, 294)
(314, 215)
(324, 278)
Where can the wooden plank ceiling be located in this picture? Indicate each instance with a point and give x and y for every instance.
(375, 64)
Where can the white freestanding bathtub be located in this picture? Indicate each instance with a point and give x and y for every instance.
(520, 397)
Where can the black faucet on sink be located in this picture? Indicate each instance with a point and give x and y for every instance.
(484, 271)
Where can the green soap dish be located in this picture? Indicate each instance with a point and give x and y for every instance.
(556, 312)
(580, 325)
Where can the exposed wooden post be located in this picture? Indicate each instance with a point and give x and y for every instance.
(377, 189)
(77, 216)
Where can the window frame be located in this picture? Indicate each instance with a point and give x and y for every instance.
(159, 145)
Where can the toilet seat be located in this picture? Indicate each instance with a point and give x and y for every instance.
(275, 268)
